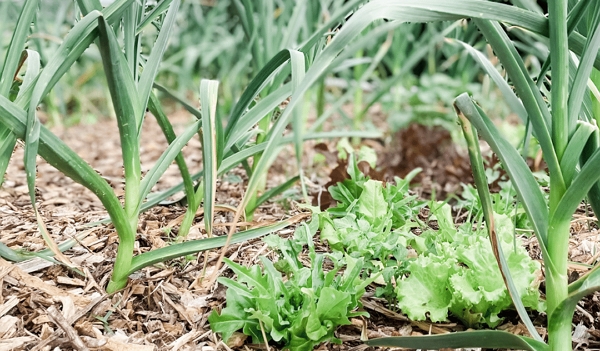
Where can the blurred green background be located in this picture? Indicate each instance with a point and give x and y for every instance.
(409, 72)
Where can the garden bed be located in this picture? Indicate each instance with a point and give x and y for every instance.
(166, 307)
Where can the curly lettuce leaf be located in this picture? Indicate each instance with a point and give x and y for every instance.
(479, 291)
(474, 282)
(425, 292)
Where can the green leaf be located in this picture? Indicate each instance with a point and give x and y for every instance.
(276, 284)
(194, 246)
(251, 276)
(12, 255)
(472, 139)
(425, 291)
(478, 338)
(507, 91)
(528, 92)
(151, 67)
(268, 312)
(131, 42)
(74, 44)
(300, 309)
(314, 329)
(262, 314)
(578, 13)
(479, 290)
(244, 294)
(301, 344)
(563, 125)
(128, 110)
(333, 305)
(250, 118)
(165, 160)
(581, 185)
(592, 145)
(7, 145)
(590, 51)
(574, 149)
(371, 202)
(16, 46)
(521, 177)
(226, 324)
(261, 79)
(152, 15)
(208, 98)
(7, 139)
(87, 6)
(330, 234)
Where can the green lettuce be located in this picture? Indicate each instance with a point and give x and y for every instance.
(458, 275)
(297, 307)
(455, 271)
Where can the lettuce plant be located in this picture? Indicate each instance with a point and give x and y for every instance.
(455, 274)
(294, 306)
(452, 273)
(371, 221)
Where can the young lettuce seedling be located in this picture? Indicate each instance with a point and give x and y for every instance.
(294, 306)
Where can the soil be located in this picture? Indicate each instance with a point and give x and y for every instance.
(165, 307)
